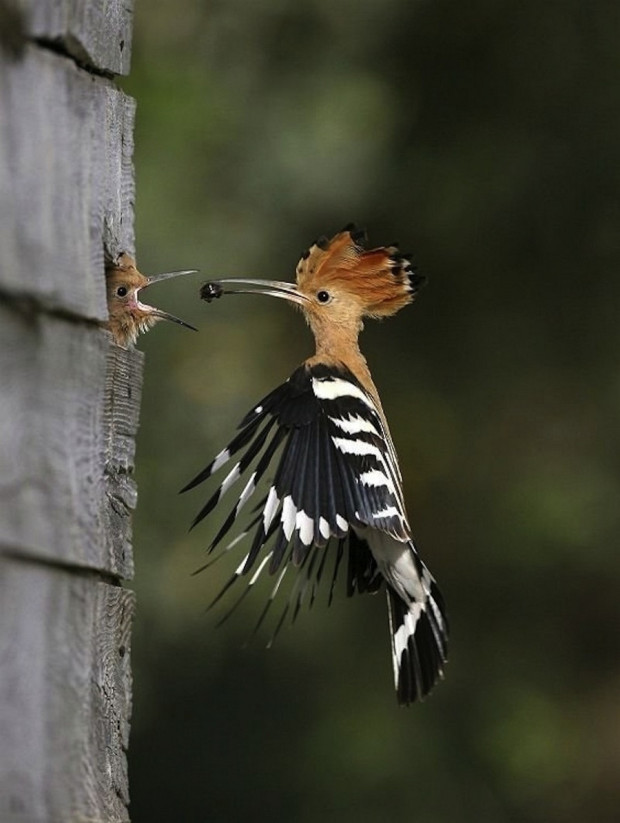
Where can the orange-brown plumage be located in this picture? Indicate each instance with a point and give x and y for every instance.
(339, 283)
(337, 473)
(361, 283)
(380, 280)
(128, 317)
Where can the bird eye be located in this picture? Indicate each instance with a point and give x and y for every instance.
(121, 291)
(323, 296)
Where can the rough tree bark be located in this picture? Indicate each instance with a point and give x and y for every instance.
(69, 402)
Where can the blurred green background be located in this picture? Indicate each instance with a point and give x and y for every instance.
(485, 138)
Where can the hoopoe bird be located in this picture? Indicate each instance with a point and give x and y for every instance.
(128, 317)
(336, 478)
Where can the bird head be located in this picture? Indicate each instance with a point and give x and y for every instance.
(128, 316)
(338, 283)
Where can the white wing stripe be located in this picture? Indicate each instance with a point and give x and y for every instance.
(289, 512)
(335, 387)
(355, 424)
(233, 475)
(358, 447)
(389, 511)
(256, 574)
(271, 506)
(376, 478)
(219, 460)
(305, 525)
(342, 523)
(247, 492)
(241, 565)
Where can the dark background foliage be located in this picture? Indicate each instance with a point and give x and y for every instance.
(483, 136)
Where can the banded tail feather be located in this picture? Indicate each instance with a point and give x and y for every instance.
(418, 633)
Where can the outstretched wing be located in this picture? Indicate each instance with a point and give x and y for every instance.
(335, 479)
(334, 471)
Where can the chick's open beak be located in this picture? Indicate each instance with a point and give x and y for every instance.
(164, 315)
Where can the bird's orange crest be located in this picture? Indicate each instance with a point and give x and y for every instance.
(382, 278)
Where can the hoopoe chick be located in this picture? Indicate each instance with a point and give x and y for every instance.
(336, 481)
(128, 316)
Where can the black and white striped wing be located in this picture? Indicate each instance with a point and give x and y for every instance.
(333, 477)
(335, 469)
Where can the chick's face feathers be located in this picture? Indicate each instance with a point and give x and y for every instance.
(128, 316)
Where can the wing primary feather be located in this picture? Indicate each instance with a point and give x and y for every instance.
(316, 510)
(332, 502)
(282, 617)
(279, 550)
(253, 449)
(224, 456)
(319, 573)
(232, 608)
(225, 550)
(282, 482)
(299, 493)
(270, 600)
(317, 577)
(227, 525)
(211, 562)
(236, 539)
(259, 505)
(243, 594)
(311, 559)
(339, 554)
(260, 538)
(287, 466)
(347, 482)
(223, 591)
(279, 624)
(268, 405)
(261, 467)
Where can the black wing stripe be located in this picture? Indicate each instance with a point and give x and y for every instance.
(301, 490)
(339, 553)
(250, 488)
(235, 473)
(253, 481)
(331, 502)
(224, 456)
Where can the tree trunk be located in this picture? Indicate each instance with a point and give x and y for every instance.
(69, 403)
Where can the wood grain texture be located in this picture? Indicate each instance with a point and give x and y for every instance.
(65, 695)
(96, 33)
(68, 419)
(69, 405)
(66, 181)
(123, 392)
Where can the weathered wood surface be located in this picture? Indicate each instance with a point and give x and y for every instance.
(69, 403)
(95, 33)
(65, 695)
(66, 181)
(68, 416)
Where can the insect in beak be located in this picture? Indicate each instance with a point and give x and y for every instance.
(214, 289)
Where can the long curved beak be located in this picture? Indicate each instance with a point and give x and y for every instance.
(159, 278)
(272, 288)
(164, 315)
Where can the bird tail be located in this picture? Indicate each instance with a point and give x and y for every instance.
(419, 636)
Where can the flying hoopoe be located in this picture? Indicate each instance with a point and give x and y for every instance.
(128, 317)
(337, 479)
